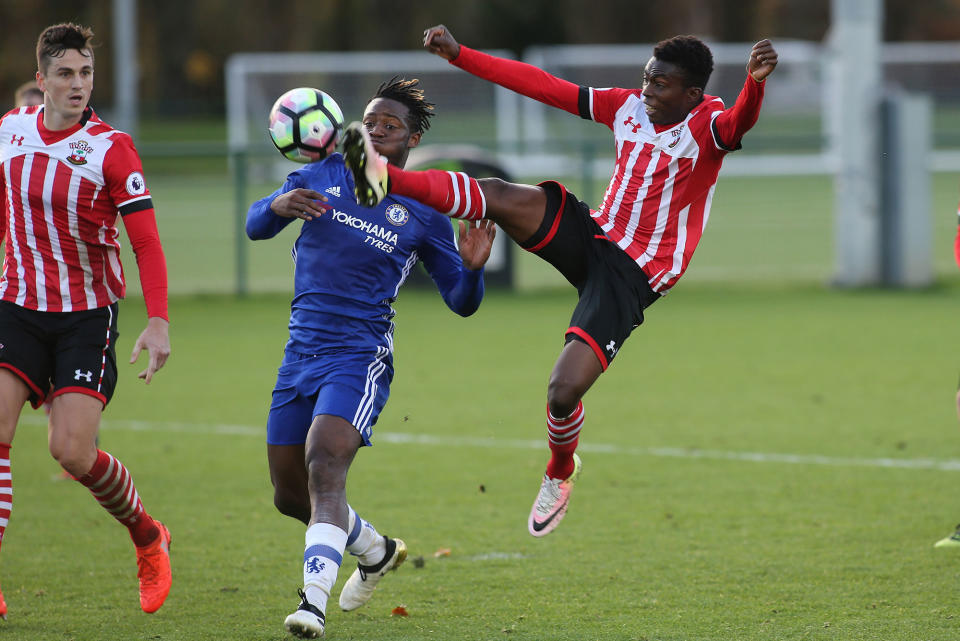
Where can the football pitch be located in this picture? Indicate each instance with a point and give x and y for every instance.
(761, 461)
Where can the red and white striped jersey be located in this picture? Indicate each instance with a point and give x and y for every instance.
(658, 201)
(659, 196)
(62, 191)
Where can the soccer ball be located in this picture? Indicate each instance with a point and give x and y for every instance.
(305, 124)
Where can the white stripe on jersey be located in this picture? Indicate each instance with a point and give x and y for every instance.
(73, 198)
(681, 242)
(640, 198)
(54, 236)
(455, 184)
(21, 270)
(663, 216)
(11, 238)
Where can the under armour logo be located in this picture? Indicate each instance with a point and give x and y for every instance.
(612, 348)
(629, 121)
(16, 140)
(315, 565)
(87, 376)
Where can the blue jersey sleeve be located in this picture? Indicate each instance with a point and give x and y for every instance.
(262, 223)
(461, 288)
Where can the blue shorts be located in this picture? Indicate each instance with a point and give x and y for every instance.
(351, 385)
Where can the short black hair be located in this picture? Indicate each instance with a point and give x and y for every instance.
(56, 39)
(409, 93)
(690, 54)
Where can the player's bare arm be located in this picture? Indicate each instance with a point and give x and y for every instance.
(438, 40)
(763, 60)
(476, 241)
(298, 203)
(155, 338)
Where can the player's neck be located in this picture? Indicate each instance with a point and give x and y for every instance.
(54, 121)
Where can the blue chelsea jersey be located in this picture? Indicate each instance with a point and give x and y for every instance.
(352, 260)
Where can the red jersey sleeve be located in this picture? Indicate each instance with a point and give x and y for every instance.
(604, 103)
(525, 79)
(732, 123)
(123, 173)
(151, 263)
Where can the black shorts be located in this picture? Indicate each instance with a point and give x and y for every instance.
(613, 289)
(57, 352)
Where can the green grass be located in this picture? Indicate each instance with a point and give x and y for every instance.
(675, 532)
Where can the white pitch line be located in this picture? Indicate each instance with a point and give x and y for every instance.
(400, 438)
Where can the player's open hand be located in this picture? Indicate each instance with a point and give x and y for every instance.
(476, 241)
(440, 41)
(299, 203)
(763, 60)
(156, 340)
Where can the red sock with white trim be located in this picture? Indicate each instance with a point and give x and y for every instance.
(111, 484)
(452, 193)
(563, 435)
(6, 489)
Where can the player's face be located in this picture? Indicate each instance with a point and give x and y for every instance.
(66, 83)
(665, 94)
(386, 121)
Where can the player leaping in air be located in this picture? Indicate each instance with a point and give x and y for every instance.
(670, 139)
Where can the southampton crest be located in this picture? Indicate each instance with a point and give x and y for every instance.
(676, 133)
(80, 149)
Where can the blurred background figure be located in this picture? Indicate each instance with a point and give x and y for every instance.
(27, 95)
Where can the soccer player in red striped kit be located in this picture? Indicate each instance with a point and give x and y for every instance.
(671, 139)
(66, 175)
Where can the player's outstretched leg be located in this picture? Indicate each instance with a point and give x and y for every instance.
(376, 556)
(368, 167)
(452, 193)
(952, 541)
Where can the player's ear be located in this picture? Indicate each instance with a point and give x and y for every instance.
(413, 140)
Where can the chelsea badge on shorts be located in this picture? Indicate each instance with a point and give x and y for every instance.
(397, 215)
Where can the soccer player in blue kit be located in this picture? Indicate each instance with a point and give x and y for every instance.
(338, 362)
